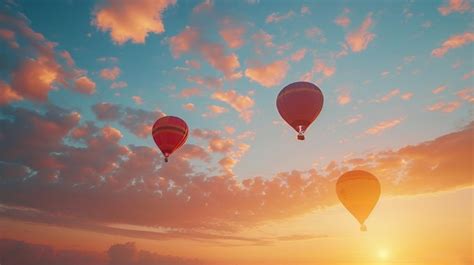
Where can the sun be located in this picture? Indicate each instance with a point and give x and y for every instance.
(383, 254)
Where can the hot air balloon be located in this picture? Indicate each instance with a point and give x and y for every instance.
(299, 104)
(169, 133)
(359, 192)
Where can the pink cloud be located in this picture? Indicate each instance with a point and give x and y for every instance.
(189, 92)
(204, 6)
(354, 119)
(7, 94)
(319, 66)
(390, 95)
(444, 107)
(263, 38)
(118, 85)
(184, 42)
(315, 33)
(209, 82)
(190, 40)
(216, 109)
(110, 73)
(359, 40)
(305, 10)
(214, 54)
(298, 55)
(188, 106)
(343, 20)
(407, 96)
(241, 103)
(229, 129)
(138, 100)
(267, 75)
(9, 37)
(382, 126)
(453, 42)
(130, 20)
(84, 85)
(193, 64)
(344, 98)
(466, 94)
(276, 17)
(439, 89)
(39, 68)
(452, 6)
(468, 75)
(232, 34)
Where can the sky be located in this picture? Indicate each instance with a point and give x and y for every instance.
(82, 82)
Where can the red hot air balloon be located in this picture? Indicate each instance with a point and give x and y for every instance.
(169, 133)
(299, 104)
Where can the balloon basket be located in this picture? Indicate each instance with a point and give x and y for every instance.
(300, 137)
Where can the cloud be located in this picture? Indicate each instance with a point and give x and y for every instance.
(9, 37)
(118, 85)
(137, 121)
(24, 253)
(315, 33)
(138, 100)
(276, 17)
(189, 92)
(207, 81)
(190, 40)
(84, 85)
(319, 66)
(305, 10)
(468, 75)
(188, 106)
(184, 42)
(64, 188)
(452, 6)
(407, 96)
(344, 98)
(7, 94)
(453, 42)
(215, 110)
(390, 95)
(263, 38)
(36, 68)
(343, 20)
(110, 73)
(205, 6)
(359, 39)
(240, 103)
(130, 20)
(354, 119)
(193, 64)
(444, 107)
(232, 33)
(267, 75)
(466, 94)
(384, 125)
(439, 89)
(298, 55)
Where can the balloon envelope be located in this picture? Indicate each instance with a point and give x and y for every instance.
(169, 134)
(299, 104)
(359, 192)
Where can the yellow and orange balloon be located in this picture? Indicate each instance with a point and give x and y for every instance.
(359, 192)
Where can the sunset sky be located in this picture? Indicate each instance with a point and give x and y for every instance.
(83, 183)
